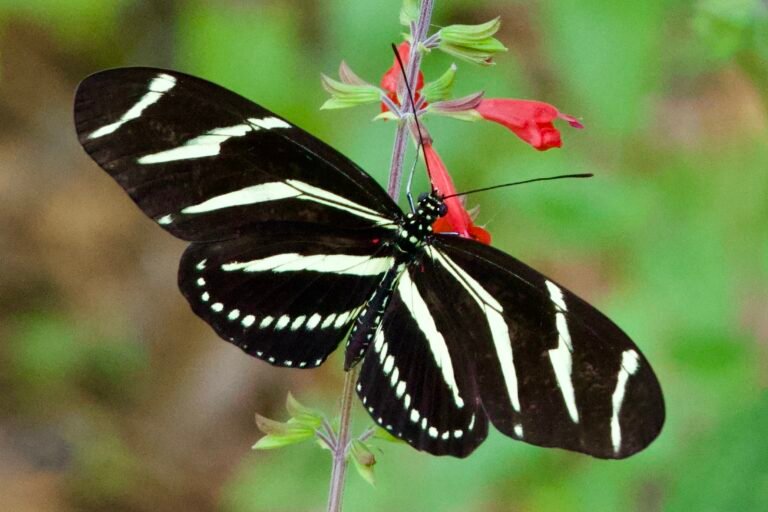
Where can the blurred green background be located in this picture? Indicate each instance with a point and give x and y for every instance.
(113, 396)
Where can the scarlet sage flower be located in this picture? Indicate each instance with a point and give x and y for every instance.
(393, 74)
(457, 220)
(532, 121)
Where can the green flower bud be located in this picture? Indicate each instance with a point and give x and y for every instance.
(363, 459)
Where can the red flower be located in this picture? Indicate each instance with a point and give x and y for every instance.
(457, 220)
(529, 120)
(393, 74)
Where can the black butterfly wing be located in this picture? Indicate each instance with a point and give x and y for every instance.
(286, 293)
(208, 164)
(417, 379)
(551, 369)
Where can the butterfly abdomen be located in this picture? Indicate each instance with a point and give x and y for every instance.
(370, 317)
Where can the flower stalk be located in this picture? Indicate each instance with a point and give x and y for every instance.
(341, 446)
(341, 449)
(418, 34)
(530, 120)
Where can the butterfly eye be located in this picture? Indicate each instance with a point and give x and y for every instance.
(442, 210)
(423, 196)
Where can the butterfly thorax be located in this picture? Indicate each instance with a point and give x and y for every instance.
(413, 234)
(416, 227)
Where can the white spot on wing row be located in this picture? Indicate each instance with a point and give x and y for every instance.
(630, 362)
(159, 85)
(333, 263)
(389, 369)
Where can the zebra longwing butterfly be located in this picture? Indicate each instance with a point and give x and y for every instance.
(294, 248)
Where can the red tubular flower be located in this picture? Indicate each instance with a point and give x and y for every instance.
(457, 220)
(529, 120)
(390, 78)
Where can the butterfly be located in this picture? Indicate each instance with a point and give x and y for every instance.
(294, 249)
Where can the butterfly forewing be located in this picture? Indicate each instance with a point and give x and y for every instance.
(285, 292)
(207, 164)
(551, 369)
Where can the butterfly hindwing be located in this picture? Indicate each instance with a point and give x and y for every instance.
(207, 164)
(551, 369)
(286, 292)
(417, 380)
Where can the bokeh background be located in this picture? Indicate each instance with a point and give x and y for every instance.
(114, 396)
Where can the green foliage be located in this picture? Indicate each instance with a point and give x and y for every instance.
(52, 361)
(730, 26)
(300, 427)
(727, 468)
(106, 472)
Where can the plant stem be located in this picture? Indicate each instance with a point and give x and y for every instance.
(339, 468)
(411, 72)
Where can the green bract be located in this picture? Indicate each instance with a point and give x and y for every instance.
(348, 95)
(300, 427)
(440, 89)
(473, 43)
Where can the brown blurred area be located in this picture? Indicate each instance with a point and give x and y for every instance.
(75, 248)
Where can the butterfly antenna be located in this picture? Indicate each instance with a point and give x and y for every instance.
(533, 180)
(412, 101)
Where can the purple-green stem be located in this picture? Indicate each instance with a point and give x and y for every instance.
(341, 445)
